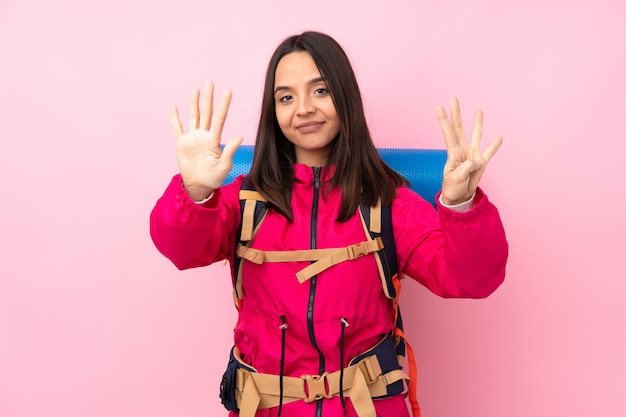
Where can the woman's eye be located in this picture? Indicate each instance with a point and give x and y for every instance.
(321, 91)
(284, 99)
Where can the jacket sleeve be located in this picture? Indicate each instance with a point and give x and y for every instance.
(190, 234)
(453, 254)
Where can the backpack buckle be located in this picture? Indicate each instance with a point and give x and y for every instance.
(365, 370)
(356, 251)
(360, 249)
(315, 387)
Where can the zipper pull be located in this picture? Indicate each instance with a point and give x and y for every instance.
(316, 177)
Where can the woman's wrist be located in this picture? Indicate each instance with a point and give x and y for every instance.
(459, 207)
(198, 194)
(204, 200)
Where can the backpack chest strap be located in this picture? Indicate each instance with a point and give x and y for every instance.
(325, 258)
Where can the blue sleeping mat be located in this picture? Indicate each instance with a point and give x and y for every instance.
(422, 167)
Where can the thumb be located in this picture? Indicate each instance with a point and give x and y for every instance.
(464, 170)
(231, 147)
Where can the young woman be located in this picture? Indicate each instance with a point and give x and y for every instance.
(314, 164)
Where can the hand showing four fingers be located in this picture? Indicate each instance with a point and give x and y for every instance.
(202, 163)
(465, 164)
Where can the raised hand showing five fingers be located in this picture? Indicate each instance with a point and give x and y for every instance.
(465, 164)
(202, 163)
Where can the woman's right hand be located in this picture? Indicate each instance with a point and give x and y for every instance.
(202, 163)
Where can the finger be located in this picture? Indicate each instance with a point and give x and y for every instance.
(231, 147)
(457, 120)
(449, 134)
(175, 121)
(462, 172)
(477, 132)
(220, 114)
(492, 149)
(206, 109)
(193, 109)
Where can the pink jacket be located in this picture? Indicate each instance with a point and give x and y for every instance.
(452, 254)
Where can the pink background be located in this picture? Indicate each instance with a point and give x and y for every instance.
(95, 322)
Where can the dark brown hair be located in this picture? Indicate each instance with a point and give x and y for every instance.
(359, 172)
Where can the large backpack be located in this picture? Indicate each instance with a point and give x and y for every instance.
(380, 242)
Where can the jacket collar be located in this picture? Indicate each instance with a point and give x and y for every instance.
(305, 174)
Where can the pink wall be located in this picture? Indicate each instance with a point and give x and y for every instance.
(94, 322)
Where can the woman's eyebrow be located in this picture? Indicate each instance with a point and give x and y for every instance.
(317, 80)
(311, 82)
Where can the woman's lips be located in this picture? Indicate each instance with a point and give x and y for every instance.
(309, 127)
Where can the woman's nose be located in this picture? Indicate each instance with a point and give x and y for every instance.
(305, 106)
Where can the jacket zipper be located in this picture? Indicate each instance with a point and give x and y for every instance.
(316, 192)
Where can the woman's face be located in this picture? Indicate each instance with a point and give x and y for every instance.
(304, 108)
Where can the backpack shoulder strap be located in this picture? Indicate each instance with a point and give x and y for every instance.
(253, 210)
(377, 224)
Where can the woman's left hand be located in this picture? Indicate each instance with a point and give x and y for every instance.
(465, 164)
